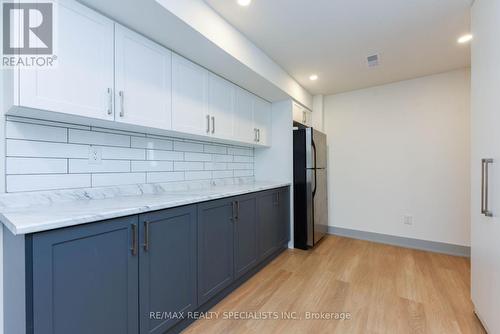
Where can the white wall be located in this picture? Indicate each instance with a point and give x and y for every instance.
(318, 113)
(402, 149)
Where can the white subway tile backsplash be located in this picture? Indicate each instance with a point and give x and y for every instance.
(221, 174)
(17, 130)
(215, 165)
(112, 179)
(152, 166)
(239, 165)
(16, 183)
(98, 138)
(105, 166)
(43, 155)
(123, 153)
(188, 165)
(205, 175)
(189, 156)
(24, 148)
(215, 149)
(164, 155)
(240, 151)
(242, 173)
(222, 158)
(36, 166)
(158, 177)
(242, 158)
(187, 146)
(152, 143)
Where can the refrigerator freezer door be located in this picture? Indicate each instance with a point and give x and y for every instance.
(309, 206)
(320, 204)
(319, 145)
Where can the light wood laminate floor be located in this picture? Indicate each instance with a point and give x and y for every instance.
(385, 289)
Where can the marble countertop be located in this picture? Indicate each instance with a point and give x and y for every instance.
(35, 212)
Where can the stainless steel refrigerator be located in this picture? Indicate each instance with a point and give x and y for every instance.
(310, 187)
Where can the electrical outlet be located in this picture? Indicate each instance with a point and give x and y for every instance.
(408, 220)
(95, 155)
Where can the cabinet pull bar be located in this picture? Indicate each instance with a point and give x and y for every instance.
(133, 247)
(237, 210)
(484, 187)
(233, 216)
(208, 123)
(110, 101)
(122, 107)
(146, 236)
(213, 124)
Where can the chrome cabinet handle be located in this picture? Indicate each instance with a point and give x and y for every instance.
(255, 134)
(258, 135)
(484, 187)
(133, 247)
(110, 101)
(208, 123)
(146, 236)
(122, 107)
(213, 124)
(235, 206)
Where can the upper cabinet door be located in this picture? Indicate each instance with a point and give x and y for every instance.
(189, 97)
(244, 129)
(302, 115)
(143, 81)
(298, 114)
(221, 106)
(81, 83)
(262, 120)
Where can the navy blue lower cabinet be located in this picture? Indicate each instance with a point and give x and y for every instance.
(133, 275)
(283, 216)
(167, 267)
(246, 252)
(267, 207)
(85, 279)
(215, 247)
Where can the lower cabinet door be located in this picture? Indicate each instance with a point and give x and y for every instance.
(215, 247)
(246, 252)
(167, 268)
(283, 216)
(85, 279)
(268, 211)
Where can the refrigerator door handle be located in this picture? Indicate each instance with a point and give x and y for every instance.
(484, 187)
(315, 177)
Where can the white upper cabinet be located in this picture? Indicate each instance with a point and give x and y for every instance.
(82, 81)
(221, 107)
(143, 71)
(244, 129)
(262, 121)
(302, 115)
(108, 75)
(189, 97)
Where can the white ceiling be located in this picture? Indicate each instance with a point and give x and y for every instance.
(333, 37)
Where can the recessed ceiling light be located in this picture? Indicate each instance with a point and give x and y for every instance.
(244, 2)
(313, 77)
(465, 38)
